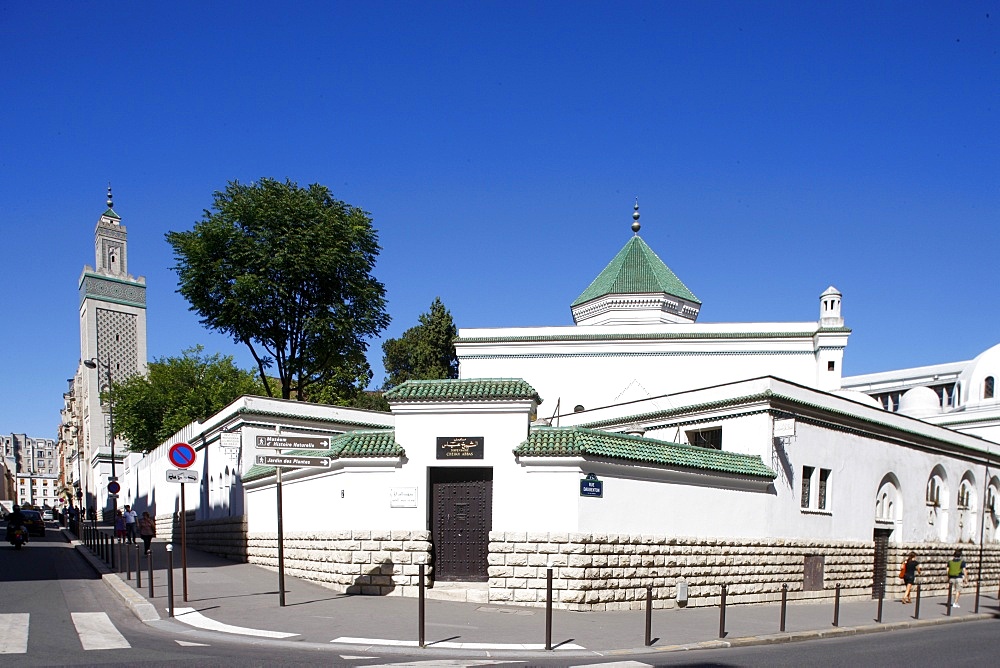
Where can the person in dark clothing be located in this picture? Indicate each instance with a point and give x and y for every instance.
(911, 568)
(14, 520)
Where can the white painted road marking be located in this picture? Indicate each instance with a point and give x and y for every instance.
(449, 645)
(97, 632)
(14, 633)
(192, 617)
(435, 663)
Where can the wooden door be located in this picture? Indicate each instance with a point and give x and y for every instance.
(461, 518)
(881, 537)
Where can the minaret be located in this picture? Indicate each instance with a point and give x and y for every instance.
(112, 332)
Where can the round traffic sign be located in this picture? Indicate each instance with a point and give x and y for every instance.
(181, 455)
(114, 487)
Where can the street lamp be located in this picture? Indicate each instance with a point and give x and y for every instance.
(95, 363)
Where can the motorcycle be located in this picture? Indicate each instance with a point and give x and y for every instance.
(18, 537)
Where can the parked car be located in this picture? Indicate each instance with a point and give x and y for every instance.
(47, 515)
(34, 523)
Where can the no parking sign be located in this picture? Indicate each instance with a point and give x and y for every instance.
(181, 455)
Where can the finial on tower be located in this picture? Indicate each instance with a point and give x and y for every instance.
(635, 217)
(110, 201)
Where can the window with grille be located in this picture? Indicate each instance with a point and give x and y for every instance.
(807, 473)
(706, 438)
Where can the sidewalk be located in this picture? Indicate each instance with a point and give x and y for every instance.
(242, 600)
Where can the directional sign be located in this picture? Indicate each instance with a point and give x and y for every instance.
(114, 487)
(288, 461)
(294, 442)
(181, 455)
(180, 475)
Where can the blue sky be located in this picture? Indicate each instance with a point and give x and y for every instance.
(776, 148)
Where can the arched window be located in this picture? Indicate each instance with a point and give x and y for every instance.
(988, 388)
(933, 491)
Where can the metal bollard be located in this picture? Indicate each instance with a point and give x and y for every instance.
(420, 607)
(784, 605)
(836, 606)
(978, 581)
(111, 550)
(170, 578)
(881, 598)
(916, 608)
(138, 569)
(649, 616)
(949, 596)
(128, 564)
(149, 562)
(722, 614)
(548, 609)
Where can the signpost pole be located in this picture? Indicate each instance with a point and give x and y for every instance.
(280, 443)
(184, 564)
(281, 543)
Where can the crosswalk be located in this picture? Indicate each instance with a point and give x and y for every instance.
(95, 630)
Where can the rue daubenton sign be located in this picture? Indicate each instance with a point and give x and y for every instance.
(293, 442)
(591, 486)
(459, 447)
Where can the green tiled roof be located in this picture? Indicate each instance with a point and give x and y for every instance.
(577, 441)
(636, 269)
(472, 389)
(353, 444)
(110, 213)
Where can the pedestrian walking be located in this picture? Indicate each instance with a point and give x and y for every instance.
(120, 527)
(130, 519)
(910, 569)
(147, 529)
(956, 575)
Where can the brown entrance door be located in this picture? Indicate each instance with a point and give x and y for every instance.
(881, 537)
(461, 518)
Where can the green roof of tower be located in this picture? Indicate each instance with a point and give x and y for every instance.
(636, 270)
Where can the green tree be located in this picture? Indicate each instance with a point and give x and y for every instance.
(424, 352)
(287, 271)
(175, 392)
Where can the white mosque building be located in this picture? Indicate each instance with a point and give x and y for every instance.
(634, 448)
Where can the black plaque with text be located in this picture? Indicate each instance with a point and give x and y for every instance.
(460, 447)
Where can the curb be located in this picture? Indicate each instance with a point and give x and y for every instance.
(140, 607)
(820, 634)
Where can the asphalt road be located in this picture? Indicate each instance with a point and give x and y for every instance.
(55, 611)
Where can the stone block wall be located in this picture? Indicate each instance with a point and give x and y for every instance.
(933, 559)
(225, 537)
(376, 563)
(612, 571)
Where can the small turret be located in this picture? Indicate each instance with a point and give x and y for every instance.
(829, 308)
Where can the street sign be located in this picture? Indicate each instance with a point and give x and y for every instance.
(180, 475)
(592, 487)
(287, 461)
(181, 455)
(294, 442)
(114, 487)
